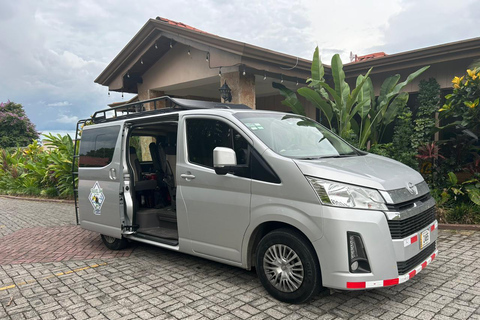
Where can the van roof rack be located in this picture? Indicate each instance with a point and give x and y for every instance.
(137, 109)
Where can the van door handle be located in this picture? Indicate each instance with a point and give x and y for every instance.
(187, 176)
(112, 174)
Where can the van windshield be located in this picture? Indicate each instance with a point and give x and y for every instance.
(295, 136)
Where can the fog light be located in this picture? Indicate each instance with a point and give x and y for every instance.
(354, 266)
(357, 257)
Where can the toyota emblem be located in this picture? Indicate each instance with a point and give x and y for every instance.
(412, 188)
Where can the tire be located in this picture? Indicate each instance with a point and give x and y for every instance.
(294, 281)
(114, 243)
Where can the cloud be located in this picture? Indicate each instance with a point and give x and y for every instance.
(427, 23)
(59, 104)
(67, 119)
(349, 25)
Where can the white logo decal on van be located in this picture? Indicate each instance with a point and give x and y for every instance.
(96, 198)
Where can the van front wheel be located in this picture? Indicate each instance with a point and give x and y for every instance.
(114, 243)
(287, 266)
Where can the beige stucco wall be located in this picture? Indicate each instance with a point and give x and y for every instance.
(177, 68)
(274, 103)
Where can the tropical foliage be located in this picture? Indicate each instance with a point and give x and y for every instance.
(356, 115)
(37, 171)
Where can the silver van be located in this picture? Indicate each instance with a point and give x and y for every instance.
(254, 189)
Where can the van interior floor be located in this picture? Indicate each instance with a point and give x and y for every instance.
(161, 223)
(168, 230)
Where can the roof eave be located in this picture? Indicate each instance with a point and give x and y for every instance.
(240, 48)
(424, 56)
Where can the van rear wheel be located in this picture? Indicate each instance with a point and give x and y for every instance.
(113, 243)
(287, 266)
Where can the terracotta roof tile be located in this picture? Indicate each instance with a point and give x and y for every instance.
(369, 56)
(180, 24)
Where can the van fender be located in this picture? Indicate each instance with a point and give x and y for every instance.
(309, 225)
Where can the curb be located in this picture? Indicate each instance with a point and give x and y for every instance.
(447, 226)
(37, 199)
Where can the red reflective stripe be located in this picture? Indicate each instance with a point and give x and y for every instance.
(433, 256)
(412, 274)
(432, 227)
(414, 239)
(390, 282)
(356, 285)
(424, 265)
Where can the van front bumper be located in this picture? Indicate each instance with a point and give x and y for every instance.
(392, 261)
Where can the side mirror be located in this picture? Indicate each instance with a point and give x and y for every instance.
(223, 160)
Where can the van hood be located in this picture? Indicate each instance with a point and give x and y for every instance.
(370, 171)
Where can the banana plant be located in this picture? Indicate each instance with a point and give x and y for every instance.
(339, 105)
(385, 108)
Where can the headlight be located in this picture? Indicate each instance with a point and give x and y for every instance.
(348, 196)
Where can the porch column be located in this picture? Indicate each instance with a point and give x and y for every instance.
(145, 141)
(242, 86)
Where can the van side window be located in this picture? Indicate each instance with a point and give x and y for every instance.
(204, 135)
(261, 170)
(97, 146)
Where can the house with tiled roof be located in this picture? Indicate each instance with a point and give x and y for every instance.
(171, 58)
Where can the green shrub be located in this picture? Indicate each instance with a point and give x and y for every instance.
(50, 192)
(461, 213)
(33, 171)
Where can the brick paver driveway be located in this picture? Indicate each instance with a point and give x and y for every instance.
(50, 268)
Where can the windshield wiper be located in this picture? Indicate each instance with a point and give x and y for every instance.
(341, 156)
(326, 157)
(309, 158)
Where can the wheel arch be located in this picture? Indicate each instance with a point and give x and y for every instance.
(263, 229)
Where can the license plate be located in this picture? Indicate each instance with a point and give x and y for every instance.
(424, 238)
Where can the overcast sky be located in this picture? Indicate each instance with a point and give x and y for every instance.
(51, 51)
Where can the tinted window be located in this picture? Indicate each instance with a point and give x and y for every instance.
(97, 146)
(260, 170)
(204, 135)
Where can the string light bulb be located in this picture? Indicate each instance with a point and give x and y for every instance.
(220, 72)
(171, 45)
(207, 58)
(141, 61)
(156, 46)
(281, 78)
(189, 53)
(244, 70)
(128, 75)
(297, 82)
(265, 76)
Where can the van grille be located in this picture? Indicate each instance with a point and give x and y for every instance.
(405, 266)
(400, 229)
